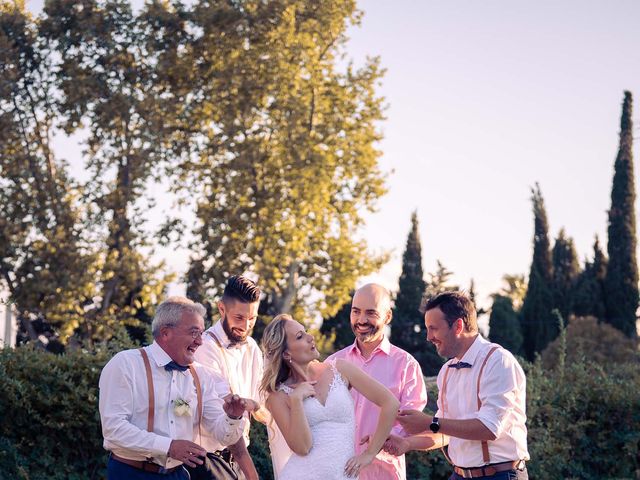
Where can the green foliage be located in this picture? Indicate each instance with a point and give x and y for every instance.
(621, 282)
(566, 269)
(588, 296)
(584, 419)
(504, 325)
(407, 327)
(338, 327)
(259, 451)
(49, 414)
(538, 325)
(291, 140)
(599, 343)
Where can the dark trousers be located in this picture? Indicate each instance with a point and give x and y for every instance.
(218, 465)
(508, 475)
(120, 471)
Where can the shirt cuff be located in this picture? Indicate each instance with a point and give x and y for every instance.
(161, 446)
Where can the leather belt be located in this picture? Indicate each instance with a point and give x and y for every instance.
(489, 470)
(145, 465)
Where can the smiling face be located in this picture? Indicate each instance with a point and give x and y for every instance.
(238, 318)
(181, 341)
(301, 346)
(370, 313)
(444, 337)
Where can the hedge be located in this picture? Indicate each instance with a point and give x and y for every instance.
(584, 420)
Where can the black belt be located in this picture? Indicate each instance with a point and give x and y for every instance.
(145, 465)
(489, 470)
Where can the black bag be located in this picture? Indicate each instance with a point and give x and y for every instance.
(218, 465)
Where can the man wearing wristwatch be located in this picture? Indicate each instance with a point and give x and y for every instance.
(155, 401)
(481, 402)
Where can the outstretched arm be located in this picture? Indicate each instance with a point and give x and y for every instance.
(377, 393)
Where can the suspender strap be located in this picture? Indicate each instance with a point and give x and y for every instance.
(443, 394)
(196, 381)
(485, 444)
(224, 359)
(152, 402)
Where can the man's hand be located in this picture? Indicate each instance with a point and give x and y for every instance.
(413, 421)
(396, 445)
(235, 406)
(187, 452)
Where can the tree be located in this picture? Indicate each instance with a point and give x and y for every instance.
(291, 143)
(407, 328)
(338, 327)
(566, 269)
(108, 85)
(45, 264)
(504, 324)
(588, 298)
(538, 325)
(437, 282)
(515, 288)
(621, 281)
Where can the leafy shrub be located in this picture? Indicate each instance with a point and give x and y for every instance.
(597, 342)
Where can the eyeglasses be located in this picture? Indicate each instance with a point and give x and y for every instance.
(195, 333)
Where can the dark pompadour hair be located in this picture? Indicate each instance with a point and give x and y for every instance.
(455, 305)
(242, 289)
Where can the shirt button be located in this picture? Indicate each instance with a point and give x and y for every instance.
(171, 421)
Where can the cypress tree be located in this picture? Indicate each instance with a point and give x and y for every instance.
(407, 328)
(537, 320)
(340, 325)
(566, 269)
(621, 281)
(588, 299)
(504, 324)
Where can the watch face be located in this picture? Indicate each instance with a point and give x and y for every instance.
(435, 426)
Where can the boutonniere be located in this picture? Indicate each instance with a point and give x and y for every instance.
(181, 408)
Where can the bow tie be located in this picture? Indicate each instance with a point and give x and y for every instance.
(460, 365)
(174, 366)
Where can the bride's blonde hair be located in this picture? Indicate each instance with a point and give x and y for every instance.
(274, 343)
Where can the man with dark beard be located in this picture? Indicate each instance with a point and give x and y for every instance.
(228, 351)
(388, 364)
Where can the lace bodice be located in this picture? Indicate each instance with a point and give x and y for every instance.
(332, 428)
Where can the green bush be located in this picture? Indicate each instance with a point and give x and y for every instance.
(583, 420)
(49, 421)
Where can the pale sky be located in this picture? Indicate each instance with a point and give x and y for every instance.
(485, 98)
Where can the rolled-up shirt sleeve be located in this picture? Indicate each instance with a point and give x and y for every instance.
(223, 428)
(498, 390)
(414, 393)
(116, 409)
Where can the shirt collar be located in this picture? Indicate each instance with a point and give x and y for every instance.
(158, 354)
(471, 355)
(384, 347)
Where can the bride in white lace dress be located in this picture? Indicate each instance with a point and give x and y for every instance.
(311, 404)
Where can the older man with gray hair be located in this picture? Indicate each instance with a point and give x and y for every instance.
(155, 402)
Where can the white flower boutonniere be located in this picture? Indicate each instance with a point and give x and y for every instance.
(181, 408)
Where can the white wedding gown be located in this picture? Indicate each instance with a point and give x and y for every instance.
(332, 431)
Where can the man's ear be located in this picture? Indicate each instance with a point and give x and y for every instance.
(388, 316)
(221, 308)
(459, 326)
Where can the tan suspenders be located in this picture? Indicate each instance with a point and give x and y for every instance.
(224, 358)
(152, 403)
(484, 443)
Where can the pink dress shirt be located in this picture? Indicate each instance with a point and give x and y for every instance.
(400, 373)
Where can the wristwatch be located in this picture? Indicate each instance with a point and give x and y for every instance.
(435, 425)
